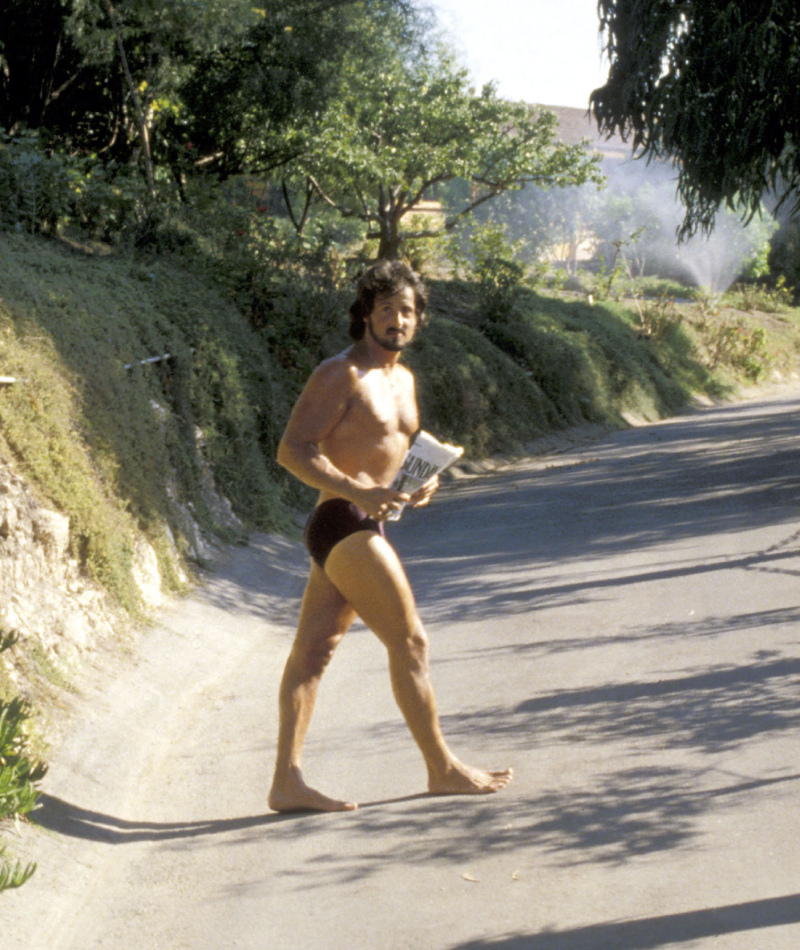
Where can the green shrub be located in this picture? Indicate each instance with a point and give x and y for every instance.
(729, 341)
(234, 447)
(471, 394)
(588, 360)
(110, 439)
(34, 186)
(40, 424)
(19, 773)
(486, 256)
(759, 296)
(105, 198)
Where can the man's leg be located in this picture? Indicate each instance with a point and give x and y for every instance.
(366, 570)
(325, 617)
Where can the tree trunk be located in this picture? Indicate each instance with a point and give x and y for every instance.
(389, 242)
(140, 117)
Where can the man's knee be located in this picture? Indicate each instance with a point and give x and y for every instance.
(312, 658)
(412, 648)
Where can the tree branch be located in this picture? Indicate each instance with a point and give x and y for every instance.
(298, 225)
(344, 211)
(148, 158)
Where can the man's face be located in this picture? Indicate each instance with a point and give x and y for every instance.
(393, 320)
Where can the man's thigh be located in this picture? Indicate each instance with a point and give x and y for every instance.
(325, 615)
(367, 572)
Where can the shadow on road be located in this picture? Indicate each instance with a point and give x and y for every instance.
(73, 821)
(268, 586)
(626, 814)
(726, 472)
(651, 932)
(710, 710)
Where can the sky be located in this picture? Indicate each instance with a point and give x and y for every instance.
(546, 52)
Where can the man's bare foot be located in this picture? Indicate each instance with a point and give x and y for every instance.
(460, 779)
(292, 794)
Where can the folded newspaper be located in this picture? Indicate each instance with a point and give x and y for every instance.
(426, 457)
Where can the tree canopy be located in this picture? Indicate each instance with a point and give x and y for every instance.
(115, 77)
(350, 104)
(400, 126)
(712, 85)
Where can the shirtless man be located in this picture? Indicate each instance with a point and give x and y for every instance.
(347, 436)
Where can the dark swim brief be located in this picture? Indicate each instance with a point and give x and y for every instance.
(332, 522)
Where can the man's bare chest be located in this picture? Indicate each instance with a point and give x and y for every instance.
(383, 405)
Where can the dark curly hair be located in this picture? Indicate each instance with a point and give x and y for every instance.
(383, 279)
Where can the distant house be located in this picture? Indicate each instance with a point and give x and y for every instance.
(575, 125)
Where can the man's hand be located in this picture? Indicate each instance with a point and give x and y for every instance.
(423, 495)
(379, 502)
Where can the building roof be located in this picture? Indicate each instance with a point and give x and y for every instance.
(576, 125)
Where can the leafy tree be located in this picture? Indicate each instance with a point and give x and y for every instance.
(405, 122)
(83, 68)
(171, 83)
(250, 101)
(712, 85)
(147, 51)
(39, 70)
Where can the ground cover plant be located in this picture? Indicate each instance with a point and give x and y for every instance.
(110, 438)
(20, 771)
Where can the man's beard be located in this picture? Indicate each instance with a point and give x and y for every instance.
(392, 344)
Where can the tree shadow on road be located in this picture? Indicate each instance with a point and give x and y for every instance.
(649, 933)
(627, 814)
(709, 710)
(757, 622)
(73, 821)
(724, 473)
(624, 814)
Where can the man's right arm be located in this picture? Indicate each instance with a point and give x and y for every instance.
(320, 408)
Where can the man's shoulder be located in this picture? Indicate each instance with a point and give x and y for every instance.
(336, 371)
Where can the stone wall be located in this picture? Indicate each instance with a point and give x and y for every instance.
(43, 596)
(46, 599)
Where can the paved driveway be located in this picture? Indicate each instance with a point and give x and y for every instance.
(620, 622)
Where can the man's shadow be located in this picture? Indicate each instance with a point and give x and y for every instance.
(73, 821)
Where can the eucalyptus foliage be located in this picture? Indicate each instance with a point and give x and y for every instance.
(713, 85)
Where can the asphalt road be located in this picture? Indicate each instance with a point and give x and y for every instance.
(619, 622)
